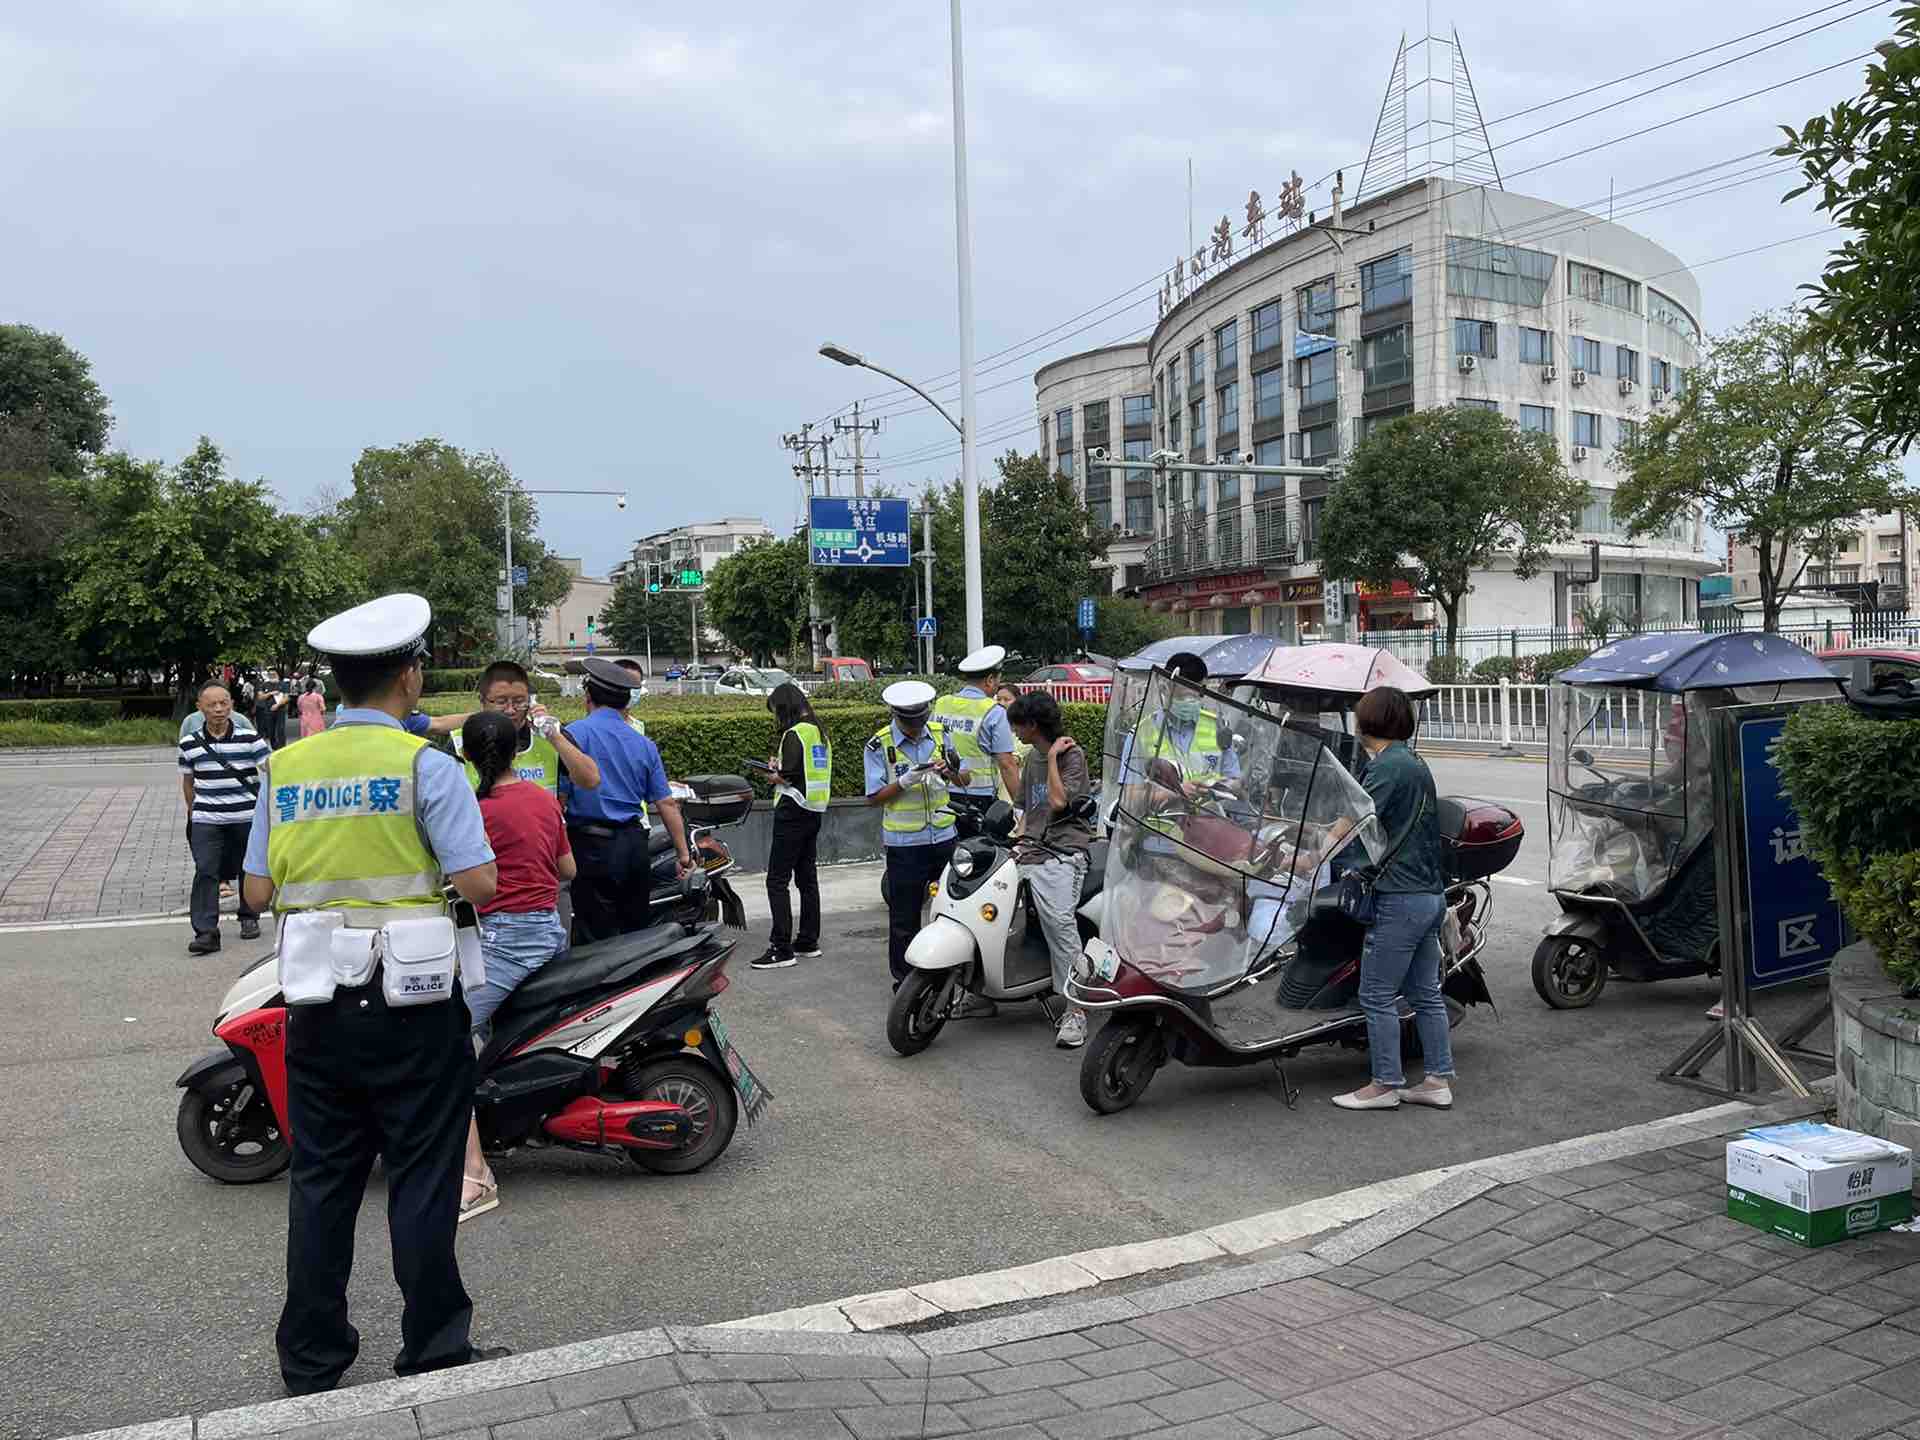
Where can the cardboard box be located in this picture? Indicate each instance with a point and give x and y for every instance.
(1815, 1184)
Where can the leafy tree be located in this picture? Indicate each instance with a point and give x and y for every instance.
(1764, 438)
(870, 613)
(632, 616)
(1863, 161)
(757, 598)
(53, 417)
(1436, 495)
(427, 517)
(1123, 625)
(1042, 559)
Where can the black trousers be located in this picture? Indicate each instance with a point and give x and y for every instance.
(792, 858)
(909, 870)
(218, 851)
(613, 884)
(366, 1080)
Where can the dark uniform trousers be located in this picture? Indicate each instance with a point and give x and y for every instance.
(910, 869)
(366, 1080)
(614, 881)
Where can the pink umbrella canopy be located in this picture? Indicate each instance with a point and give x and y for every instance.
(1340, 670)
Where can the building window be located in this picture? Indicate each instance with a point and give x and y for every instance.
(1664, 310)
(1536, 346)
(1268, 387)
(1229, 491)
(1310, 513)
(1890, 574)
(1602, 287)
(1467, 403)
(1096, 420)
(1226, 346)
(1066, 463)
(1475, 337)
(1227, 411)
(1386, 281)
(1659, 374)
(1314, 305)
(1365, 425)
(1626, 363)
(1063, 430)
(1139, 513)
(1489, 270)
(1267, 332)
(1596, 516)
(1173, 430)
(1270, 452)
(1629, 433)
(1387, 357)
(1538, 419)
(1315, 446)
(1316, 377)
(1197, 365)
(1585, 354)
(1137, 410)
(1586, 428)
(1197, 423)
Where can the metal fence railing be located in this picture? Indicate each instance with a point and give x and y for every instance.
(1512, 715)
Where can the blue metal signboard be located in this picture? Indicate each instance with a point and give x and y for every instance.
(1086, 613)
(519, 574)
(1305, 344)
(1794, 928)
(847, 531)
(927, 625)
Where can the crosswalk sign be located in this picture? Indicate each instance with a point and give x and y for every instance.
(927, 627)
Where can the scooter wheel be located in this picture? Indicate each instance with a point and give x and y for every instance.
(919, 1010)
(1568, 972)
(708, 1097)
(228, 1131)
(1118, 1065)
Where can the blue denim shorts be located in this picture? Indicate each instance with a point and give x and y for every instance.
(515, 946)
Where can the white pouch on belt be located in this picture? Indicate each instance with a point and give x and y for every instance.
(418, 959)
(353, 956)
(473, 958)
(305, 958)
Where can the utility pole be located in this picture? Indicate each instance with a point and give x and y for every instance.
(859, 432)
(925, 557)
(802, 444)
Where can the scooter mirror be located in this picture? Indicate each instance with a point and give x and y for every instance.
(1582, 757)
(997, 820)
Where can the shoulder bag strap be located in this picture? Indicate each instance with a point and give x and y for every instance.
(252, 787)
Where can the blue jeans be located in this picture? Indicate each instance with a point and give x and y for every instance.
(515, 946)
(1402, 957)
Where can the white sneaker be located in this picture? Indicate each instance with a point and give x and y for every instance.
(1072, 1033)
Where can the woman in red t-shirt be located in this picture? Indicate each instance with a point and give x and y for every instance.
(520, 927)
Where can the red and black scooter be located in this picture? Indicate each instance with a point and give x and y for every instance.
(613, 1047)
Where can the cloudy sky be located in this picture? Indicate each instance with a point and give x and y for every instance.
(606, 245)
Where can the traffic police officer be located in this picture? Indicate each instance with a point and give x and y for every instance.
(371, 821)
(1190, 737)
(608, 826)
(977, 725)
(909, 763)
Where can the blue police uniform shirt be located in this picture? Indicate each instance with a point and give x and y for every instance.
(447, 809)
(631, 771)
(880, 774)
(1179, 739)
(994, 735)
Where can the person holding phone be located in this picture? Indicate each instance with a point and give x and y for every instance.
(909, 766)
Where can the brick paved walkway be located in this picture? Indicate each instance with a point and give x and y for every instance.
(1613, 1301)
(74, 853)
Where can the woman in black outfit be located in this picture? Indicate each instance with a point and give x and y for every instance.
(796, 830)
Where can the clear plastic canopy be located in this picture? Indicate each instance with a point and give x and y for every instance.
(1227, 822)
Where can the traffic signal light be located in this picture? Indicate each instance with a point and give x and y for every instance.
(653, 587)
(589, 624)
(691, 578)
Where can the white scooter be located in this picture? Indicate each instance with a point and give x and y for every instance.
(979, 935)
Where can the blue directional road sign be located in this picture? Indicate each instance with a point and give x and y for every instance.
(519, 574)
(927, 626)
(1794, 928)
(1086, 613)
(857, 532)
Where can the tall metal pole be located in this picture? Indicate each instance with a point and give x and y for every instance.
(969, 480)
(693, 631)
(506, 514)
(926, 562)
(859, 460)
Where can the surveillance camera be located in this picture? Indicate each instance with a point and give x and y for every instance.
(620, 502)
(1099, 452)
(1165, 457)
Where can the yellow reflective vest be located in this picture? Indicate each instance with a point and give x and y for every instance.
(343, 827)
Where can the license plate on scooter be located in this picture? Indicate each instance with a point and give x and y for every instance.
(754, 1095)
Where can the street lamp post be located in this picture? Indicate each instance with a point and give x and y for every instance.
(506, 517)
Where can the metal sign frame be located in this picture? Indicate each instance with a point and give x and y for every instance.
(1747, 1043)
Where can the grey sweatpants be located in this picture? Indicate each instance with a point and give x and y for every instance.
(1055, 886)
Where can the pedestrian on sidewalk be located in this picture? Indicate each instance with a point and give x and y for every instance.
(1401, 954)
(270, 714)
(220, 781)
(804, 761)
(1054, 845)
(313, 710)
(520, 928)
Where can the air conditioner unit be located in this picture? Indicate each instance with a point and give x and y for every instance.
(1466, 364)
(1656, 396)
(1626, 387)
(1579, 377)
(1549, 374)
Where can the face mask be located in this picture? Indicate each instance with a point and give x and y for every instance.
(1185, 712)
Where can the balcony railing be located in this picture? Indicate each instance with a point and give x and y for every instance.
(1236, 538)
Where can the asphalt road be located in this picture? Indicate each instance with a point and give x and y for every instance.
(137, 1288)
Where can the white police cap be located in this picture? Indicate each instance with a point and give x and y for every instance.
(391, 625)
(908, 697)
(983, 661)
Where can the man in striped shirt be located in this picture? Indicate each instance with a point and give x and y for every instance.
(220, 778)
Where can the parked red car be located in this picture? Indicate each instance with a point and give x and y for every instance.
(1864, 666)
(1070, 683)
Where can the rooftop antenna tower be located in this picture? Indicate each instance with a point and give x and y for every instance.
(1431, 125)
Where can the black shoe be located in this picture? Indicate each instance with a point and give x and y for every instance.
(205, 943)
(774, 960)
(489, 1352)
(249, 927)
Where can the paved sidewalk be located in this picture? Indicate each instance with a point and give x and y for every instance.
(80, 853)
(1511, 1301)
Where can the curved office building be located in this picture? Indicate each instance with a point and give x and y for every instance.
(1431, 293)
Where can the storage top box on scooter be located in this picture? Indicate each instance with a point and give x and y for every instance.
(718, 799)
(1478, 837)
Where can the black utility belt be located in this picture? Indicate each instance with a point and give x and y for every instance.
(605, 829)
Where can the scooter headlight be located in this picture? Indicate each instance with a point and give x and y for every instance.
(963, 864)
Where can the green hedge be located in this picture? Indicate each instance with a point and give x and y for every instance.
(1855, 784)
(868, 692)
(15, 734)
(103, 710)
(444, 681)
(1546, 666)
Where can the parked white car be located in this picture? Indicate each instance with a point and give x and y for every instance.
(746, 680)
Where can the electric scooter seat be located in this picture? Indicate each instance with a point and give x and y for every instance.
(585, 968)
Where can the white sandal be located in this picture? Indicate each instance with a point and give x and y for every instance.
(487, 1199)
